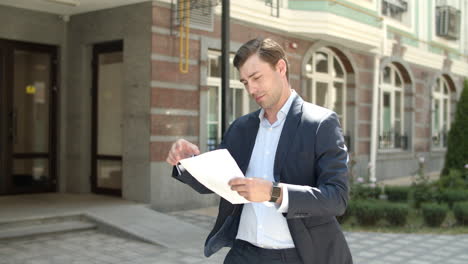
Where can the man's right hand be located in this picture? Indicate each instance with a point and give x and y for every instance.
(181, 149)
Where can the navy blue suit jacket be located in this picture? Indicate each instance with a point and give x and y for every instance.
(312, 158)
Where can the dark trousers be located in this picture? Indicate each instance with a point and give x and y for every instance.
(244, 253)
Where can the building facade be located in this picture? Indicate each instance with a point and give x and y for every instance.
(124, 82)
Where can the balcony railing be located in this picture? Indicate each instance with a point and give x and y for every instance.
(393, 140)
(439, 138)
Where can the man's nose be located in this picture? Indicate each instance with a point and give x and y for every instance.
(251, 89)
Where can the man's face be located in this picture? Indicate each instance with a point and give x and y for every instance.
(262, 81)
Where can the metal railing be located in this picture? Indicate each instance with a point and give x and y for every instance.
(393, 140)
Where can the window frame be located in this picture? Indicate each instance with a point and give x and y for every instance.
(328, 78)
(391, 88)
(216, 82)
(440, 96)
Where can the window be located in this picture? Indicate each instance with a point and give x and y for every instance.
(325, 85)
(397, 10)
(240, 98)
(392, 109)
(440, 113)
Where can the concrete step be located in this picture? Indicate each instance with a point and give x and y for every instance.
(41, 226)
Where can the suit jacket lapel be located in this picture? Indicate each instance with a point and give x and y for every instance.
(287, 135)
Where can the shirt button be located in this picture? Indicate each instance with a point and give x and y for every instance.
(268, 152)
(269, 129)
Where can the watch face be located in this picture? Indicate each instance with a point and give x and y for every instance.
(276, 192)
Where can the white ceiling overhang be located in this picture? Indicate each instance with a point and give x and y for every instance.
(68, 7)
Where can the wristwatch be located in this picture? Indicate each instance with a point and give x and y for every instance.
(275, 192)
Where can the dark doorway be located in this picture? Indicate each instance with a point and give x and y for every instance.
(107, 100)
(28, 88)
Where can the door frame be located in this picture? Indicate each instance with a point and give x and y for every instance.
(100, 48)
(8, 47)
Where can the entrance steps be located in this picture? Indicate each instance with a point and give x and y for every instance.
(46, 225)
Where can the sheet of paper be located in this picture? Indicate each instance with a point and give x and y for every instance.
(214, 169)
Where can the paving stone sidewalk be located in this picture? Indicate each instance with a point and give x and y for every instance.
(95, 247)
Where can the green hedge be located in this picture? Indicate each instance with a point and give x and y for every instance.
(397, 193)
(362, 192)
(368, 212)
(460, 210)
(451, 196)
(396, 213)
(348, 213)
(434, 214)
(423, 194)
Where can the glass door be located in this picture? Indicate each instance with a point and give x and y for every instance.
(29, 129)
(107, 118)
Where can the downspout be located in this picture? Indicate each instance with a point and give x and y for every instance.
(375, 104)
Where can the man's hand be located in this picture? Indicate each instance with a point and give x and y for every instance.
(253, 189)
(181, 149)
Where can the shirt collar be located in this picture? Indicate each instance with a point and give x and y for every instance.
(283, 112)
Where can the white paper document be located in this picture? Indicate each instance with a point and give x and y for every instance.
(214, 169)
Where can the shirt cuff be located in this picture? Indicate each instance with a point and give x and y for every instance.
(283, 208)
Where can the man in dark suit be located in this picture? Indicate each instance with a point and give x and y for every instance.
(295, 162)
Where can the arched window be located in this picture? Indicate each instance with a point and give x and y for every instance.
(391, 132)
(440, 113)
(325, 86)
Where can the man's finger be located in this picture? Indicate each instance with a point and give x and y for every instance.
(237, 181)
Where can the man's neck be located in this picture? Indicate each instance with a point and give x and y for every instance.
(271, 114)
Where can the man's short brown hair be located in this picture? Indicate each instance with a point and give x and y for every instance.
(267, 49)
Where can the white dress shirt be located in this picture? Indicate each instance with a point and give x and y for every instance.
(263, 224)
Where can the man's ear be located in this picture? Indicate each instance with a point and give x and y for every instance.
(281, 67)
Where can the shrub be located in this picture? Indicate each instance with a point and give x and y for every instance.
(457, 140)
(362, 192)
(348, 213)
(397, 193)
(396, 213)
(450, 196)
(368, 212)
(453, 180)
(422, 193)
(460, 210)
(434, 214)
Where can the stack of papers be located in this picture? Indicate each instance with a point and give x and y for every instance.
(215, 169)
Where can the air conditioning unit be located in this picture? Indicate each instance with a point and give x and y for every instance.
(394, 6)
(448, 22)
(201, 13)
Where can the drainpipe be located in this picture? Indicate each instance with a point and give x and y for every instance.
(375, 104)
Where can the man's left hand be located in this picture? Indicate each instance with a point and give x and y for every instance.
(252, 189)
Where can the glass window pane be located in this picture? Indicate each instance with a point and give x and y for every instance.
(109, 174)
(215, 66)
(398, 82)
(437, 85)
(446, 90)
(321, 62)
(213, 104)
(30, 172)
(212, 140)
(239, 103)
(386, 113)
(110, 104)
(398, 101)
(436, 115)
(321, 90)
(31, 84)
(445, 116)
(386, 75)
(337, 70)
(397, 127)
(308, 90)
(338, 98)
